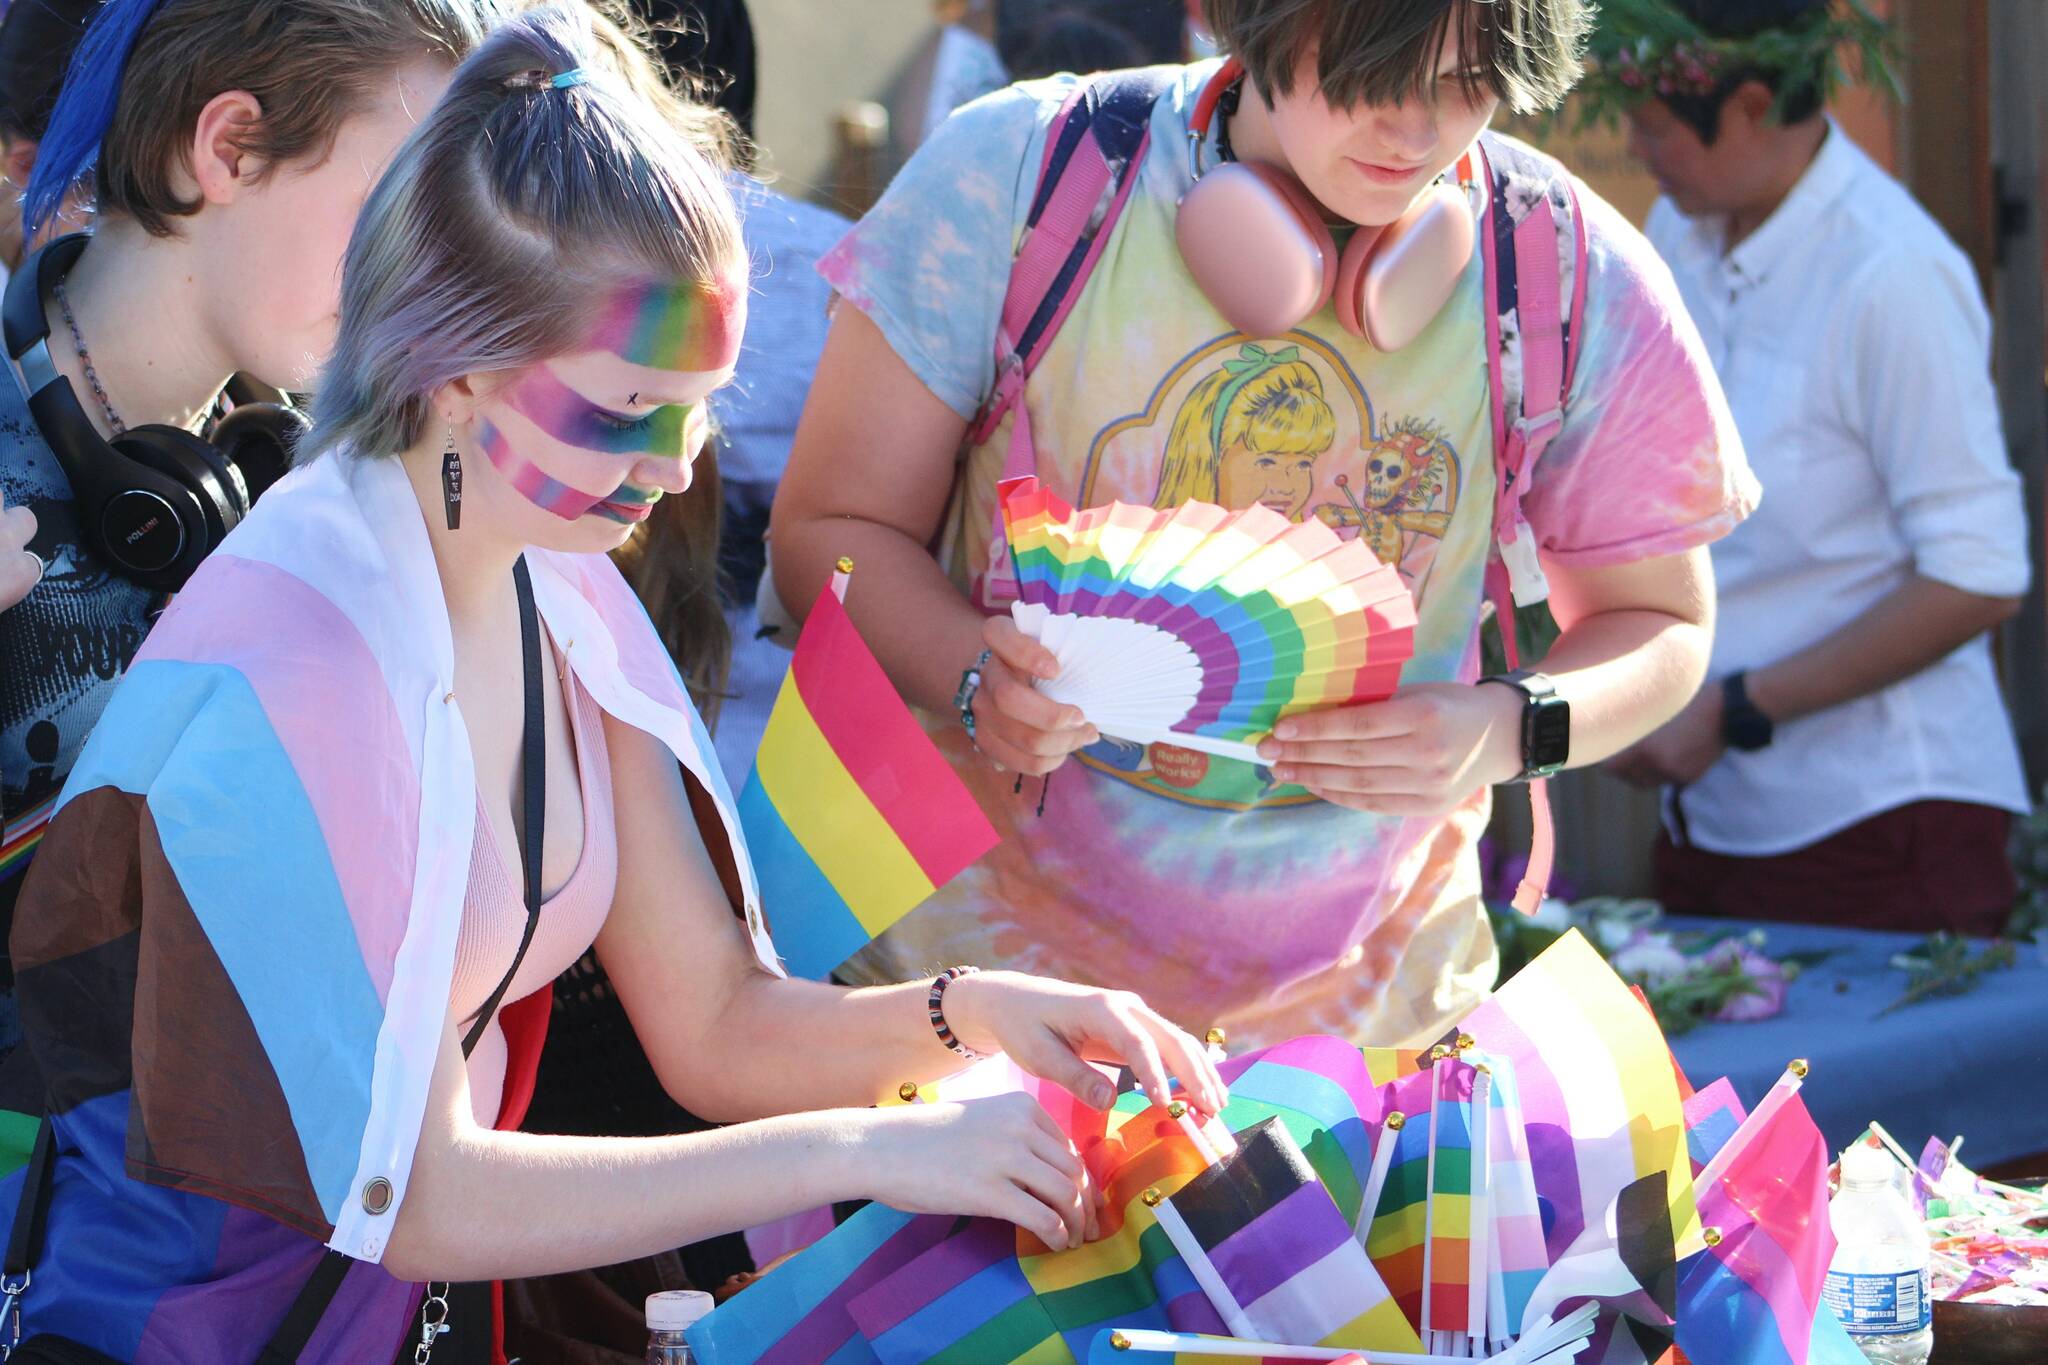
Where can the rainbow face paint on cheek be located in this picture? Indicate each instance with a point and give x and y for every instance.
(550, 495)
(688, 327)
(574, 420)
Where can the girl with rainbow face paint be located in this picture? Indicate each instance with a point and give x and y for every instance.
(598, 434)
(541, 295)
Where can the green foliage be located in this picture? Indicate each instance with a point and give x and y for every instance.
(1646, 48)
(1944, 965)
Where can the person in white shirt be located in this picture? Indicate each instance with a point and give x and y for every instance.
(1850, 759)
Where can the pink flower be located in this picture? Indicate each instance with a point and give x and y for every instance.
(1767, 982)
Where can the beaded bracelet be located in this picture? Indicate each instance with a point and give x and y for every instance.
(970, 683)
(935, 1005)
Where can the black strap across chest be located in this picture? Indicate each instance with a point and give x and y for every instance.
(303, 1318)
(533, 799)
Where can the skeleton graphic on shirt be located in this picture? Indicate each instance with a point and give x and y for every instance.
(1409, 490)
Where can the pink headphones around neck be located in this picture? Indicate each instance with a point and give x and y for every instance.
(1256, 243)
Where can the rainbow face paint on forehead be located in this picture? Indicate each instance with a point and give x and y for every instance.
(693, 328)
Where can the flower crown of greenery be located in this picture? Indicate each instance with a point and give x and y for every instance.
(1646, 49)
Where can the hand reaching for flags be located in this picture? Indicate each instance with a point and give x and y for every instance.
(1053, 1029)
(998, 1157)
(1005, 1155)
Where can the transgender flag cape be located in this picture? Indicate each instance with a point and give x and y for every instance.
(234, 951)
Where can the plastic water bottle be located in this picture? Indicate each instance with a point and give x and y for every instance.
(668, 1313)
(1877, 1283)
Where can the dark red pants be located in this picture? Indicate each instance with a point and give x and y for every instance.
(1921, 867)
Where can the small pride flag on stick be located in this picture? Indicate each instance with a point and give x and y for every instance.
(852, 815)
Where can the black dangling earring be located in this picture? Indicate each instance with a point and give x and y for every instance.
(451, 483)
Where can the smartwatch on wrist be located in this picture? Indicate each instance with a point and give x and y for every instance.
(1743, 727)
(1546, 723)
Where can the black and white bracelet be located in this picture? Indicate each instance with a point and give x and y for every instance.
(936, 1006)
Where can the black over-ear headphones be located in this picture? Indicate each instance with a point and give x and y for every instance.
(155, 500)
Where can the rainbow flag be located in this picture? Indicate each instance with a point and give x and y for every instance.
(1028, 1301)
(852, 815)
(1753, 1296)
(1599, 1094)
(803, 1318)
(1455, 1262)
(1398, 1232)
(19, 837)
(994, 1293)
(1323, 1090)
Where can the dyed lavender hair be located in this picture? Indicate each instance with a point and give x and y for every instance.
(511, 207)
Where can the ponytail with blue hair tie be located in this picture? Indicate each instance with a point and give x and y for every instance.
(85, 108)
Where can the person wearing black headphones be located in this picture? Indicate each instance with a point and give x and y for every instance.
(223, 206)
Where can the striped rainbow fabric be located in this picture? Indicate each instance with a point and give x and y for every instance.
(853, 815)
(989, 1293)
(1030, 1303)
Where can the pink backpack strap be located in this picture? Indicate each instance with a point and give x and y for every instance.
(1534, 229)
(1093, 152)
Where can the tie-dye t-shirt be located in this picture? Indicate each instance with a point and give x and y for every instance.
(1224, 898)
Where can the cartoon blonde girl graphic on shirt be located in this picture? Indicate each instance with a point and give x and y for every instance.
(1249, 434)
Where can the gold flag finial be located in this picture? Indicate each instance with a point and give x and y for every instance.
(845, 564)
(1798, 1067)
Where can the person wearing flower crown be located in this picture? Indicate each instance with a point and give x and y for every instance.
(1848, 760)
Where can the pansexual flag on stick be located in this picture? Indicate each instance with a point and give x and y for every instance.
(851, 814)
(1274, 1255)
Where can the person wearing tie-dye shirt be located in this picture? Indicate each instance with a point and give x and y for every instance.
(1333, 886)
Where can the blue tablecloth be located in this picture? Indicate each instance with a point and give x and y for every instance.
(1974, 1064)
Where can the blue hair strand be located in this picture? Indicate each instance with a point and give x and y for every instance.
(85, 108)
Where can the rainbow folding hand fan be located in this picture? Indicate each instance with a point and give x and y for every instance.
(1199, 626)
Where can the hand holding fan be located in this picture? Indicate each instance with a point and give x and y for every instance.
(1199, 626)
